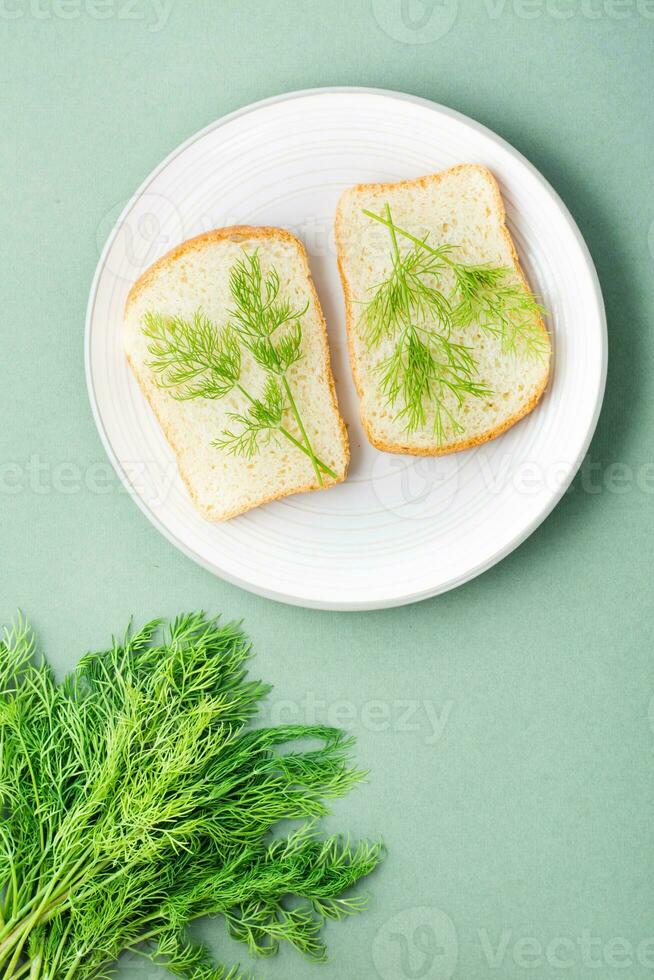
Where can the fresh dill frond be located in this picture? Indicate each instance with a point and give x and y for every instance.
(137, 797)
(426, 368)
(262, 420)
(183, 958)
(407, 295)
(195, 359)
(486, 295)
(259, 313)
(192, 356)
(418, 309)
(492, 299)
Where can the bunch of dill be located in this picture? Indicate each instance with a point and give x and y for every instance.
(136, 797)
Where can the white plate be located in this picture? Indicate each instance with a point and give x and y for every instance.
(401, 528)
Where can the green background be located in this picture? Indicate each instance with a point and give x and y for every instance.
(529, 818)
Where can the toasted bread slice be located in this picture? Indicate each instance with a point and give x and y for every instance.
(195, 277)
(461, 207)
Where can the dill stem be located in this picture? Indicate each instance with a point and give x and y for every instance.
(74, 967)
(396, 248)
(298, 419)
(17, 974)
(13, 963)
(34, 784)
(55, 895)
(296, 442)
(388, 221)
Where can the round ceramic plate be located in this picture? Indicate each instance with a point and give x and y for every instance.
(401, 528)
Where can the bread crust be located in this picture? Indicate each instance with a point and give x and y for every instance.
(239, 233)
(456, 446)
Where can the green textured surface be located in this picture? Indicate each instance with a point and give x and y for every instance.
(528, 818)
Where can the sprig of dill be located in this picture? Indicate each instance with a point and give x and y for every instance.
(426, 367)
(492, 299)
(136, 797)
(412, 307)
(262, 421)
(195, 359)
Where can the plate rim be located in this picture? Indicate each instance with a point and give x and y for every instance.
(516, 540)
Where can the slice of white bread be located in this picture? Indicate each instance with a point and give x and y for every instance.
(195, 276)
(460, 207)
